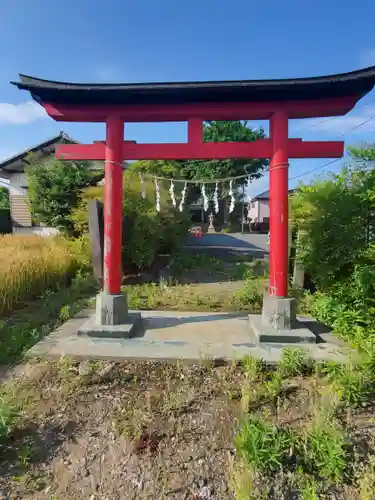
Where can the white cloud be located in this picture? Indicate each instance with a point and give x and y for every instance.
(25, 112)
(367, 57)
(361, 121)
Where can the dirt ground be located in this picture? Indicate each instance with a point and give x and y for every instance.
(116, 431)
(146, 431)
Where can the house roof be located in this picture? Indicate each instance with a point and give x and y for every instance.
(266, 195)
(355, 83)
(9, 164)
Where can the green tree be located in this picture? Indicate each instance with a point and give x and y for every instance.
(364, 154)
(213, 131)
(4, 198)
(54, 189)
(226, 131)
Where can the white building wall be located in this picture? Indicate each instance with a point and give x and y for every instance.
(253, 212)
(259, 209)
(264, 210)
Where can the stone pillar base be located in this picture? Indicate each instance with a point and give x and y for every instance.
(279, 324)
(111, 309)
(279, 312)
(112, 319)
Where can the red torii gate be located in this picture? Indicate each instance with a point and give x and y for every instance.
(195, 102)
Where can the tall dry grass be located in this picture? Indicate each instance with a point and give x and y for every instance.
(29, 265)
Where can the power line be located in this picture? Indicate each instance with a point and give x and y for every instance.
(336, 159)
(314, 169)
(331, 118)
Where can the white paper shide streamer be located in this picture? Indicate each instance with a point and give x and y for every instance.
(157, 195)
(205, 198)
(143, 190)
(183, 196)
(216, 198)
(232, 199)
(171, 192)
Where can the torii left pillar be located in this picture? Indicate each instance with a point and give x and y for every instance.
(112, 318)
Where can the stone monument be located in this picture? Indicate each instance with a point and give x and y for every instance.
(211, 227)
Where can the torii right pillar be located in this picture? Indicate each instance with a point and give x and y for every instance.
(278, 323)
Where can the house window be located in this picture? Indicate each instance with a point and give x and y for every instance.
(253, 204)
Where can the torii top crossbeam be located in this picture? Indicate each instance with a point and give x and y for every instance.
(195, 102)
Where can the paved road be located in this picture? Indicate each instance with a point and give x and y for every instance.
(234, 243)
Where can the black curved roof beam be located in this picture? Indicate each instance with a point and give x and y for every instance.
(356, 83)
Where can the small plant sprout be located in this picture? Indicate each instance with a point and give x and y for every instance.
(251, 367)
(65, 312)
(25, 453)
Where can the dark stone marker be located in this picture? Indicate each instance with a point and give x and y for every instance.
(96, 229)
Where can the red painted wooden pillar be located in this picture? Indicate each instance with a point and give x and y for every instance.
(113, 205)
(279, 205)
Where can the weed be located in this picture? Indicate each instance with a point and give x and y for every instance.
(8, 417)
(25, 453)
(65, 367)
(248, 295)
(366, 480)
(206, 362)
(65, 313)
(241, 479)
(324, 448)
(273, 387)
(353, 383)
(308, 486)
(27, 326)
(295, 362)
(252, 367)
(248, 395)
(265, 446)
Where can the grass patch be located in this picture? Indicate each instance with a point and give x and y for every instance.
(30, 265)
(197, 297)
(189, 268)
(26, 326)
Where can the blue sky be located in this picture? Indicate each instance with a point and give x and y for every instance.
(165, 40)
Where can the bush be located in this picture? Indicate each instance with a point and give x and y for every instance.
(30, 265)
(333, 219)
(147, 233)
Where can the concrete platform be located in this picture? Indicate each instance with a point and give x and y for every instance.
(170, 335)
(301, 334)
(130, 328)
